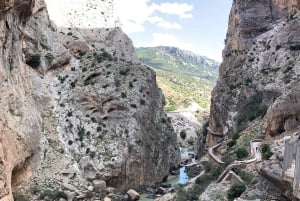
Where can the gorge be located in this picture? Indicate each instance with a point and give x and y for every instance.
(83, 118)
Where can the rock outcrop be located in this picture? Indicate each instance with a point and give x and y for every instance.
(259, 78)
(260, 67)
(77, 108)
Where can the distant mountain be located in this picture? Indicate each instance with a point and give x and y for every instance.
(175, 60)
(184, 77)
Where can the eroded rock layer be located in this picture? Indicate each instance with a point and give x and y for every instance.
(78, 111)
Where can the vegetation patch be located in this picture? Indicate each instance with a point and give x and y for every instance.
(34, 61)
(182, 134)
(81, 132)
(252, 109)
(295, 47)
(246, 176)
(241, 152)
(236, 191)
(19, 197)
(54, 195)
(266, 151)
(212, 172)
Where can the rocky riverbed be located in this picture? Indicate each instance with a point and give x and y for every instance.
(188, 169)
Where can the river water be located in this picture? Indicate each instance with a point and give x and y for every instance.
(182, 178)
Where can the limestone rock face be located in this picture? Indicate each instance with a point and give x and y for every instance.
(21, 121)
(77, 107)
(261, 56)
(284, 114)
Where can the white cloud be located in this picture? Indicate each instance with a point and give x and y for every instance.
(139, 12)
(160, 22)
(132, 27)
(180, 9)
(133, 14)
(166, 39)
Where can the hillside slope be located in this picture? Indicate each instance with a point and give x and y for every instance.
(183, 76)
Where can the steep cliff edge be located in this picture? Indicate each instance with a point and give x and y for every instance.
(260, 66)
(259, 80)
(78, 110)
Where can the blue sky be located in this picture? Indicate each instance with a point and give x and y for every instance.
(196, 25)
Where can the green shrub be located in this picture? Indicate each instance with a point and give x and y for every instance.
(117, 82)
(288, 69)
(236, 190)
(124, 71)
(133, 105)
(204, 128)
(99, 57)
(228, 159)
(69, 113)
(278, 47)
(81, 132)
(295, 47)
(18, 197)
(34, 61)
(142, 101)
(204, 178)
(182, 134)
(54, 195)
(92, 154)
(73, 83)
(216, 171)
(246, 176)
(231, 143)
(93, 119)
(191, 141)
(171, 105)
(89, 195)
(266, 151)
(123, 95)
(163, 120)
(235, 136)
(195, 191)
(81, 54)
(241, 153)
(130, 84)
(252, 109)
(287, 78)
(213, 170)
(105, 86)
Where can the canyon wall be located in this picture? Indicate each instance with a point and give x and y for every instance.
(77, 108)
(260, 69)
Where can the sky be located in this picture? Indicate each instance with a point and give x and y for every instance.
(196, 25)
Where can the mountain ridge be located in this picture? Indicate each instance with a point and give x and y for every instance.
(184, 77)
(196, 65)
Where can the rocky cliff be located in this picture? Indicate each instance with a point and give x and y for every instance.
(79, 112)
(260, 69)
(259, 80)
